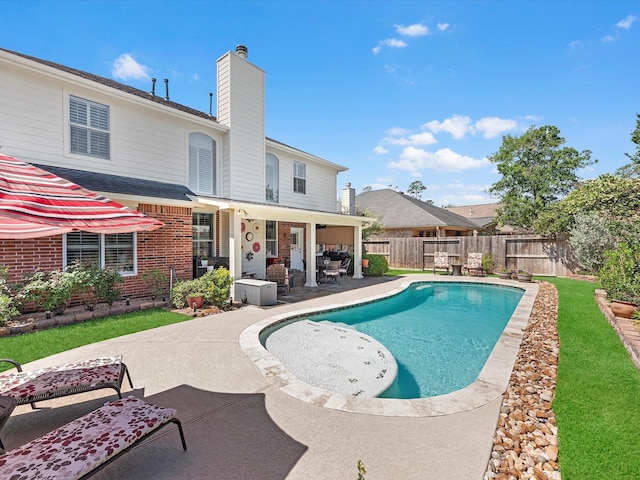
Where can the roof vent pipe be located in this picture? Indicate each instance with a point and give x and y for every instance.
(210, 104)
(153, 87)
(242, 51)
(166, 87)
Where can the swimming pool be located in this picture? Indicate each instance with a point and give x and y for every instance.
(488, 386)
(440, 334)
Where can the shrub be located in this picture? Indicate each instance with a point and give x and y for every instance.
(52, 292)
(105, 286)
(86, 282)
(216, 286)
(181, 290)
(8, 304)
(590, 237)
(155, 278)
(620, 273)
(487, 262)
(378, 265)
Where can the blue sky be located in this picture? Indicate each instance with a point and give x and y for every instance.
(396, 91)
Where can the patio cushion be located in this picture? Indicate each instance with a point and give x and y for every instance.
(84, 444)
(61, 380)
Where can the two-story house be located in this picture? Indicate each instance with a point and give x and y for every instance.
(223, 190)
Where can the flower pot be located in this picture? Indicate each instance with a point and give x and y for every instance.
(210, 268)
(504, 275)
(204, 263)
(522, 277)
(365, 263)
(195, 302)
(623, 309)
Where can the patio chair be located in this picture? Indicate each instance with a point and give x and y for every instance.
(279, 274)
(62, 380)
(344, 268)
(474, 264)
(333, 270)
(441, 261)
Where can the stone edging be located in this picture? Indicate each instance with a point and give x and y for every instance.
(38, 321)
(624, 327)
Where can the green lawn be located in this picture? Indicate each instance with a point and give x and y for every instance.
(597, 401)
(32, 346)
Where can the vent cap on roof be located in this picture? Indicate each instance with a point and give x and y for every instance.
(242, 51)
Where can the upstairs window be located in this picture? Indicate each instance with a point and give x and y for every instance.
(299, 177)
(89, 128)
(202, 164)
(272, 174)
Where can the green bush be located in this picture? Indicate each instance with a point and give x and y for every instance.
(86, 282)
(378, 265)
(52, 292)
(8, 304)
(155, 279)
(216, 286)
(620, 273)
(181, 290)
(105, 286)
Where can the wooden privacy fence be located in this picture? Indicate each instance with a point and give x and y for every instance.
(536, 254)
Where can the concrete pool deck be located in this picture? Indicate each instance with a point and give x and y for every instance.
(238, 425)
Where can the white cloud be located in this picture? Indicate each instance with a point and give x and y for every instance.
(445, 160)
(626, 22)
(576, 44)
(442, 26)
(609, 38)
(491, 127)
(380, 150)
(391, 43)
(415, 30)
(457, 125)
(397, 131)
(125, 67)
(402, 137)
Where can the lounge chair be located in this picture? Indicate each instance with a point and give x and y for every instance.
(279, 274)
(441, 261)
(84, 446)
(62, 380)
(474, 264)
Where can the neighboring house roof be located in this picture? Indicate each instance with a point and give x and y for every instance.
(482, 215)
(124, 185)
(403, 211)
(158, 97)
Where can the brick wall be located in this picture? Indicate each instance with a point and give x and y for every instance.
(169, 246)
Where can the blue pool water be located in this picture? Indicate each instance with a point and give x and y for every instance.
(441, 334)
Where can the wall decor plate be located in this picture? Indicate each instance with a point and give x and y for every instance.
(256, 227)
(248, 236)
(243, 226)
(256, 247)
(249, 256)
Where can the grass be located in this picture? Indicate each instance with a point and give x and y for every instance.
(597, 403)
(33, 346)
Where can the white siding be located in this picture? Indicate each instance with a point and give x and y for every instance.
(241, 94)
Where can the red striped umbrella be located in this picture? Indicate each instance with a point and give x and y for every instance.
(37, 203)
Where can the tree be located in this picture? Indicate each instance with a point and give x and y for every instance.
(415, 189)
(536, 171)
(615, 199)
(632, 169)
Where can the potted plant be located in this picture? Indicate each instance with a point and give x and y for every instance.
(620, 277)
(195, 299)
(524, 276)
(204, 261)
(504, 273)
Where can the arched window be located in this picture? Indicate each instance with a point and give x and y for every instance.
(272, 174)
(202, 164)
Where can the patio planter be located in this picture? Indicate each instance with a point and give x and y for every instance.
(623, 309)
(504, 275)
(524, 277)
(195, 302)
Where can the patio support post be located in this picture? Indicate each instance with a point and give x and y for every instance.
(357, 251)
(310, 253)
(235, 247)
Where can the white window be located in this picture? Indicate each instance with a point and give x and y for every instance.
(115, 251)
(202, 234)
(272, 184)
(271, 238)
(89, 128)
(202, 164)
(299, 177)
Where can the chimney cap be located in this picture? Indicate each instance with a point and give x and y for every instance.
(242, 51)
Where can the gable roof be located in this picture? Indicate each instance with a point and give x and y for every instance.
(403, 211)
(482, 215)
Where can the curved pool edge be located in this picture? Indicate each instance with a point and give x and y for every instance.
(490, 384)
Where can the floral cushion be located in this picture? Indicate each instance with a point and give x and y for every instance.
(27, 387)
(84, 444)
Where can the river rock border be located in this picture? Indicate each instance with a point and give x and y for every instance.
(525, 445)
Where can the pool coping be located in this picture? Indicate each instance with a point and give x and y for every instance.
(490, 384)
